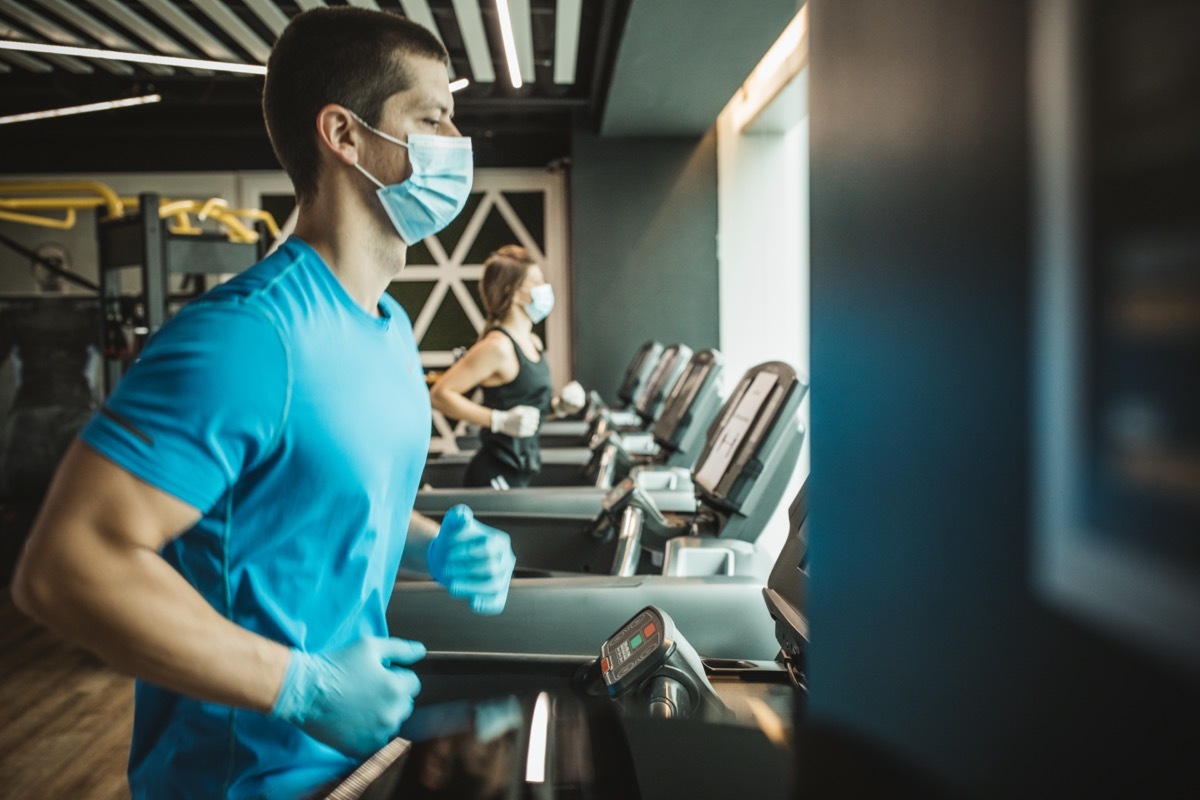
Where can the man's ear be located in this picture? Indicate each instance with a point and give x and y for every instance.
(337, 134)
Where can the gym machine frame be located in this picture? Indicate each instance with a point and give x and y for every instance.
(143, 241)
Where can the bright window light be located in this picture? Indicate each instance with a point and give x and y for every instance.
(461, 83)
(139, 58)
(84, 109)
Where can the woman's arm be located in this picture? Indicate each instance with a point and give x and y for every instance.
(491, 361)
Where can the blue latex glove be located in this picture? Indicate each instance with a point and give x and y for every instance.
(472, 560)
(351, 699)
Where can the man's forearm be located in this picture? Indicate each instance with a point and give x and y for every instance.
(421, 531)
(137, 613)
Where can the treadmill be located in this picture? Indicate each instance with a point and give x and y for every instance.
(561, 465)
(633, 384)
(666, 455)
(640, 696)
(639, 555)
(717, 511)
(566, 430)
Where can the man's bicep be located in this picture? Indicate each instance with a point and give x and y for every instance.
(91, 496)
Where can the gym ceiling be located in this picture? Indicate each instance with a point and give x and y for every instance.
(610, 67)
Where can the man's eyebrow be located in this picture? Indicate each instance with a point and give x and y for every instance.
(434, 103)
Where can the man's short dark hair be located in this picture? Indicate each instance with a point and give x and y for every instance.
(351, 56)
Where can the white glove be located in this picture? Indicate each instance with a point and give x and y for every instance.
(519, 421)
(572, 398)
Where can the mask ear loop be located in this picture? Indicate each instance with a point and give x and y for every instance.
(370, 177)
(379, 133)
(376, 131)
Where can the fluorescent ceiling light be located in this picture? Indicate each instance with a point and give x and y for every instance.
(522, 27)
(461, 83)
(510, 43)
(84, 109)
(140, 58)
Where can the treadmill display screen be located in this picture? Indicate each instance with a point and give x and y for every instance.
(730, 437)
(681, 398)
(661, 370)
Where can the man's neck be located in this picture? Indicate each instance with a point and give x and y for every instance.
(349, 238)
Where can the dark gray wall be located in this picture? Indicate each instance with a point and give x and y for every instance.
(680, 61)
(644, 249)
(927, 635)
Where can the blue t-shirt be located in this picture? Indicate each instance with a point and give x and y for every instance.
(299, 425)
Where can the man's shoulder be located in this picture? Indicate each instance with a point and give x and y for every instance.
(269, 287)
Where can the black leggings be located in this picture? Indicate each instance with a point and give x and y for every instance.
(487, 466)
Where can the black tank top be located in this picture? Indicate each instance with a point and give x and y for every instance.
(531, 387)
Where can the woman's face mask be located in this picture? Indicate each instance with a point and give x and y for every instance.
(437, 190)
(541, 302)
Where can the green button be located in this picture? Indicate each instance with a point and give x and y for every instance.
(635, 641)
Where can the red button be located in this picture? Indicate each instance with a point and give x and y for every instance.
(604, 665)
(649, 629)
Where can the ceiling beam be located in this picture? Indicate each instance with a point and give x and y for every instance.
(26, 62)
(232, 24)
(419, 12)
(58, 35)
(99, 31)
(479, 55)
(169, 13)
(144, 29)
(270, 14)
(567, 14)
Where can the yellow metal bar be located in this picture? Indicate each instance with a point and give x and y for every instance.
(183, 225)
(215, 207)
(66, 223)
(113, 203)
(210, 206)
(169, 208)
(238, 232)
(50, 203)
(259, 214)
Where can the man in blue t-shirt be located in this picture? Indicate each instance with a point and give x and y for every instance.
(230, 524)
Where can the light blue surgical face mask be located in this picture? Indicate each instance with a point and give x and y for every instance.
(541, 302)
(437, 190)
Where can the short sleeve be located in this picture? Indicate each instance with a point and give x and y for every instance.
(205, 402)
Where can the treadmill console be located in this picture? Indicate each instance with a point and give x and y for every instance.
(648, 667)
(756, 428)
(635, 652)
(634, 381)
(662, 380)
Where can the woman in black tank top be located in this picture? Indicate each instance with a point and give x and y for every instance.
(509, 364)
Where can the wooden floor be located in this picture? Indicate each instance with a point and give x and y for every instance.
(65, 718)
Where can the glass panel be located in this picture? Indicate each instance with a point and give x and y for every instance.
(494, 234)
(450, 327)
(411, 295)
(531, 210)
(453, 232)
